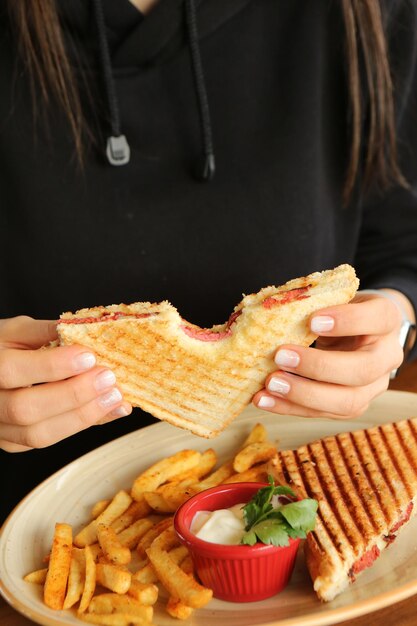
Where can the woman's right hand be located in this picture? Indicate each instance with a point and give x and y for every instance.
(49, 394)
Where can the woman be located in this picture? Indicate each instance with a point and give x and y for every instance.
(193, 151)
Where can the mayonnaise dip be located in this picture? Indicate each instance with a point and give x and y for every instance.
(224, 526)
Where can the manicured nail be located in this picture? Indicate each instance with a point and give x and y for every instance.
(121, 411)
(266, 402)
(108, 399)
(277, 385)
(104, 380)
(287, 358)
(84, 361)
(322, 324)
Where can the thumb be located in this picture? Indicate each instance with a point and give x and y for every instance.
(26, 332)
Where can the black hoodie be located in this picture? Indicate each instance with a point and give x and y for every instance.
(276, 114)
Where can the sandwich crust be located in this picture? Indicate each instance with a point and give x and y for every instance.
(201, 379)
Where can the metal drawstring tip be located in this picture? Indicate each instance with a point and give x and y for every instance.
(205, 168)
(117, 150)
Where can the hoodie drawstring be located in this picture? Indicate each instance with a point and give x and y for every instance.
(117, 149)
(207, 168)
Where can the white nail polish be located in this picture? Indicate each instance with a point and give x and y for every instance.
(109, 399)
(84, 361)
(265, 402)
(104, 380)
(287, 358)
(322, 324)
(277, 385)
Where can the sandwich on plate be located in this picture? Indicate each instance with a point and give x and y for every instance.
(366, 485)
(197, 378)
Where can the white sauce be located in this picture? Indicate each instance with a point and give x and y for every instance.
(224, 526)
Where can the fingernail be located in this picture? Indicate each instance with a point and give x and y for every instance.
(121, 411)
(287, 358)
(84, 361)
(108, 399)
(277, 385)
(104, 380)
(322, 324)
(266, 402)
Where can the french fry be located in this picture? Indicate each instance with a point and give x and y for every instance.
(252, 454)
(206, 463)
(216, 478)
(257, 473)
(147, 574)
(99, 507)
(59, 566)
(113, 578)
(37, 577)
(113, 550)
(157, 502)
(163, 471)
(176, 582)
(89, 581)
(178, 609)
(137, 510)
(258, 434)
(130, 536)
(145, 593)
(76, 578)
(167, 540)
(175, 607)
(146, 540)
(117, 507)
(114, 619)
(114, 603)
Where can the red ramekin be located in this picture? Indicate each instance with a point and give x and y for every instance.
(237, 573)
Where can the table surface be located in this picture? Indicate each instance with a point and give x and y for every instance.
(400, 614)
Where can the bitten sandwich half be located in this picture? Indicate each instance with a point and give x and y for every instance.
(366, 486)
(196, 378)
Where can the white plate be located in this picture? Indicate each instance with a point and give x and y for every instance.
(68, 495)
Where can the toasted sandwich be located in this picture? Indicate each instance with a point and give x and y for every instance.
(366, 486)
(197, 378)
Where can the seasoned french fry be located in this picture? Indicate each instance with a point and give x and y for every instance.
(76, 578)
(146, 540)
(113, 578)
(137, 510)
(166, 540)
(117, 507)
(258, 434)
(90, 580)
(206, 463)
(59, 566)
(113, 550)
(130, 536)
(163, 471)
(147, 574)
(252, 454)
(216, 478)
(115, 619)
(99, 507)
(157, 502)
(178, 609)
(114, 603)
(37, 577)
(176, 582)
(257, 473)
(145, 593)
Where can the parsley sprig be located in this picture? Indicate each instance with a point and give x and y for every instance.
(275, 525)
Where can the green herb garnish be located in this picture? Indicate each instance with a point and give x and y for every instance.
(274, 525)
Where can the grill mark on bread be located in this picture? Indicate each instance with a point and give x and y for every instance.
(387, 464)
(393, 442)
(373, 474)
(359, 481)
(407, 442)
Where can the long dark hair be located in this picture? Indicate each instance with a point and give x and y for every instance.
(42, 48)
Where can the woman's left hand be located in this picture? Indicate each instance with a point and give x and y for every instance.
(350, 364)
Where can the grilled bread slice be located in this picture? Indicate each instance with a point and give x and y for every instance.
(200, 379)
(366, 486)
